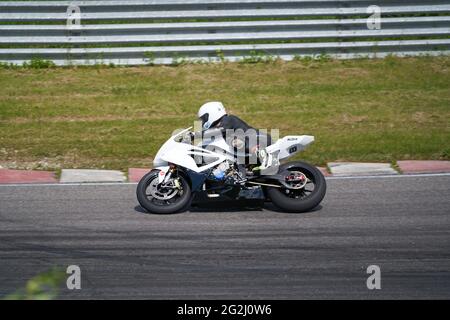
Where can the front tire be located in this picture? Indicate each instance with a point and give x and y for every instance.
(157, 204)
(299, 200)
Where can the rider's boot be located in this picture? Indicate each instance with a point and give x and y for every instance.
(264, 158)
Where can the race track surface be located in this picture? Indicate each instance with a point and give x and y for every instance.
(401, 224)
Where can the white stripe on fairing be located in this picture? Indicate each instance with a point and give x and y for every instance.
(134, 183)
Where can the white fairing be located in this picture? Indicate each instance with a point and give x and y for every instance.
(217, 143)
(180, 153)
(289, 145)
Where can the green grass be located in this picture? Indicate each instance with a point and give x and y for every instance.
(100, 117)
(44, 286)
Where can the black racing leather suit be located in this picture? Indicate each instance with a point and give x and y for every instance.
(231, 122)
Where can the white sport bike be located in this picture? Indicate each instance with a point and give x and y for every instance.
(211, 173)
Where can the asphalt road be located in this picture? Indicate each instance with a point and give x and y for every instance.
(401, 224)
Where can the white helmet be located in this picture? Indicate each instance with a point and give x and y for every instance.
(210, 112)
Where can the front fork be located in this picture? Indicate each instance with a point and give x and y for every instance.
(195, 179)
(164, 175)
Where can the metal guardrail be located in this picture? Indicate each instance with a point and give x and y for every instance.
(222, 14)
(310, 27)
(169, 54)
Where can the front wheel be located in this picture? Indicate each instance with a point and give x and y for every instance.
(306, 189)
(170, 197)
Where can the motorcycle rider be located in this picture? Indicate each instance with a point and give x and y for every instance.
(214, 116)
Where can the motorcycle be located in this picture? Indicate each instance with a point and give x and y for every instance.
(186, 174)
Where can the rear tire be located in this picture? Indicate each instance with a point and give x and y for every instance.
(181, 203)
(307, 202)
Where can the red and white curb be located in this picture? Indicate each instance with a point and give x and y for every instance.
(423, 166)
(324, 171)
(135, 174)
(338, 170)
(27, 176)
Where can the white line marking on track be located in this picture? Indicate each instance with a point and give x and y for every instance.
(67, 184)
(390, 176)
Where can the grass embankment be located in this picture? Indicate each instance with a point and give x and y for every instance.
(101, 117)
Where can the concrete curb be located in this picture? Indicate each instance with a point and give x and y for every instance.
(90, 175)
(424, 166)
(26, 176)
(360, 168)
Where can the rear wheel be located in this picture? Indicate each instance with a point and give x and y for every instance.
(306, 189)
(164, 198)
